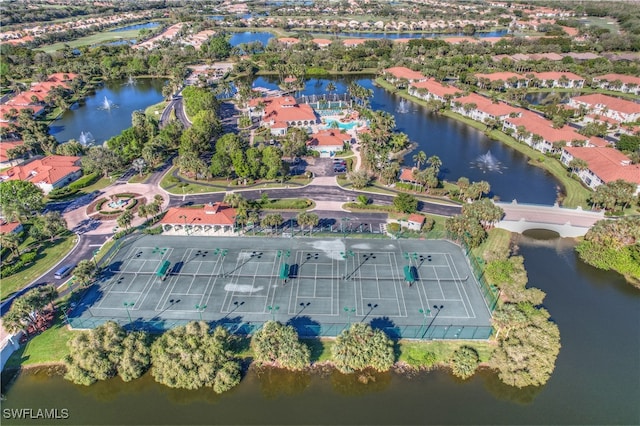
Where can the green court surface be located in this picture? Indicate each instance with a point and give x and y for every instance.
(409, 288)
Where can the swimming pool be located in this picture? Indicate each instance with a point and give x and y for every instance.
(343, 126)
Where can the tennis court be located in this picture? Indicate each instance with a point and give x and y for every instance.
(411, 288)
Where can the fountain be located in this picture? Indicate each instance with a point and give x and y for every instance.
(130, 81)
(86, 138)
(403, 107)
(107, 104)
(488, 163)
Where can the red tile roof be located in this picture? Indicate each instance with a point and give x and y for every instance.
(321, 41)
(5, 146)
(8, 227)
(407, 175)
(285, 109)
(538, 125)
(437, 88)
(626, 79)
(608, 164)
(5, 109)
(416, 218)
(598, 142)
(329, 137)
(487, 106)
(48, 170)
(403, 72)
(612, 103)
(504, 76)
(350, 42)
(215, 214)
(288, 40)
(553, 75)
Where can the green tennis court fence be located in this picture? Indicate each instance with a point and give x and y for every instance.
(308, 330)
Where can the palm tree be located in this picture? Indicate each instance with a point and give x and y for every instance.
(577, 165)
(435, 163)
(11, 241)
(125, 219)
(419, 159)
(235, 200)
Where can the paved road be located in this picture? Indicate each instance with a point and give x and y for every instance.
(83, 250)
(318, 193)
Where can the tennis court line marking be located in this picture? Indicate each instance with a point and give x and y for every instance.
(171, 284)
(455, 282)
(460, 284)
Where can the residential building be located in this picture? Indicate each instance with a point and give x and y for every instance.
(280, 113)
(5, 146)
(618, 83)
(538, 132)
(322, 43)
(10, 227)
(603, 165)
(217, 219)
(403, 73)
(432, 89)
(49, 173)
(328, 142)
(618, 109)
(508, 80)
(559, 79)
(482, 109)
(406, 175)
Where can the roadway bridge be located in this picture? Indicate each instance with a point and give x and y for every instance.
(566, 222)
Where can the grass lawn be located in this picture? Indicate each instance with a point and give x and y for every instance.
(498, 240)
(48, 257)
(98, 38)
(412, 352)
(47, 347)
(138, 179)
(156, 110)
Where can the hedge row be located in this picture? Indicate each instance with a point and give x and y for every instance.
(16, 267)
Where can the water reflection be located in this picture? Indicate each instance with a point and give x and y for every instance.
(277, 382)
(361, 383)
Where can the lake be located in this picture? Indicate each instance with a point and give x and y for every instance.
(92, 114)
(595, 380)
(249, 36)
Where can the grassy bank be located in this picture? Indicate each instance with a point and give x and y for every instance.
(98, 38)
(51, 254)
(576, 193)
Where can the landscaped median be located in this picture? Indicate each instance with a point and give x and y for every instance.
(182, 186)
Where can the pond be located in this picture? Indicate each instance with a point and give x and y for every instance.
(137, 27)
(248, 37)
(107, 112)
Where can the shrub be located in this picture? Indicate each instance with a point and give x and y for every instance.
(153, 231)
(63, 192)
(464, 362)
(85, 181)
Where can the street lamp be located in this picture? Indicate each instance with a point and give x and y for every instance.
(424, 321)
(349, 311)
(273, 310)
(200, 309)
(342, 221)
(182, 216)
(95, 252)
(127, 306)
